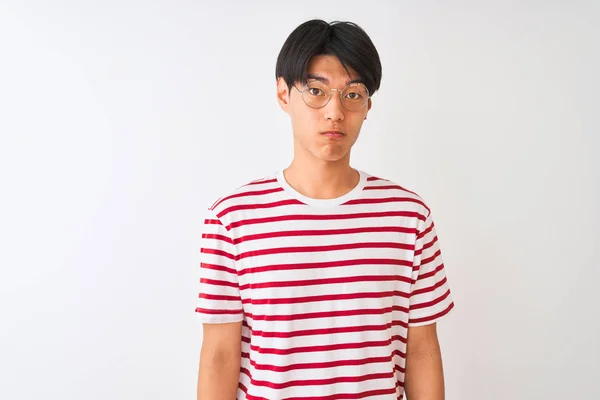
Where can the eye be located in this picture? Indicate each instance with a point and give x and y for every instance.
(315, 91)
(353, 96)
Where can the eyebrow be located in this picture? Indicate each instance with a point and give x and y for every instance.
(325, 80)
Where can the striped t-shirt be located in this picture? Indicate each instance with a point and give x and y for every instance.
(326, 288)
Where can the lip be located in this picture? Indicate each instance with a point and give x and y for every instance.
(333, 134)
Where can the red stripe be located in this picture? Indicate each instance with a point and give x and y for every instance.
(218, 312)
(348, 396)
(429, 289)
(327, 281)
(218, 253)
(385, 200)
(431, 273)
(394, 186)
(222, 297)
(399, 338)
(426, 261)
(217, 282)
(323, 348)
(434, 301)
(331, 331)
(398, 353)
(215, 236)
(327, 381)
(323, 265)
(432, 317)
(262, 181)
(221, 268)
(303, 217)
(213, 206)
(426, 275)
(252, 397)
(240, 207)
(327, 314)
(333, 247)
(246, 194)
(383, 187)
(269, 235)
(319, 365)
(422, 234)
(426, 246)
(327, 297)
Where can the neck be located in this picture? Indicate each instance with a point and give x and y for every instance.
(322, 179)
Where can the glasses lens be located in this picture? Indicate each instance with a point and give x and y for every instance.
(315, 94)
(355, 96)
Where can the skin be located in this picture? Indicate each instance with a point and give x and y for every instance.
(320, 169)
(424, 379)
(321, 165)
(220, 361)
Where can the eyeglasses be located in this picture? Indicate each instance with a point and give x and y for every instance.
(317, 94)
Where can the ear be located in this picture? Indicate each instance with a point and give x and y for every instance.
(283, 94)
(369, 105)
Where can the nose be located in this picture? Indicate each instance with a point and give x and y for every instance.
(334, 110)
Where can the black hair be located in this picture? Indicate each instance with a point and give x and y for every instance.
(345, 40)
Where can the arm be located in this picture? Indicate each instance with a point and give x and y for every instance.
(424, 379)
(221, 311)
(220, 358)
(430, 300)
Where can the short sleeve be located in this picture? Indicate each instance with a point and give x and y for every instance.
(219, 300)
(430, 297)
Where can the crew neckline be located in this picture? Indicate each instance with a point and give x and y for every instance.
(352, 194)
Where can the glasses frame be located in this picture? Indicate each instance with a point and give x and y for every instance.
(340, 91)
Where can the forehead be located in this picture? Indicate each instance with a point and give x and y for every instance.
(331, 69)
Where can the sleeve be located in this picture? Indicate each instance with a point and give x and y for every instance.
(430, 297)
(219, 300)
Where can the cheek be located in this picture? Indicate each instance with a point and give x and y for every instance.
(355, 122)
(305, 121)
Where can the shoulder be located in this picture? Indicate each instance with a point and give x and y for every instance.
(378, 187)
(246, 193)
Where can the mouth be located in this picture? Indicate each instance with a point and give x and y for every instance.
(333, 134)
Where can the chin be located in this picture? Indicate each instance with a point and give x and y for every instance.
(330, 156)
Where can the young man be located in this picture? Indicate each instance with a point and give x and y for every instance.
(322, 281)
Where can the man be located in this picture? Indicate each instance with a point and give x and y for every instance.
(322, 281)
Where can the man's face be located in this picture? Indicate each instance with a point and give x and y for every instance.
(310, 124)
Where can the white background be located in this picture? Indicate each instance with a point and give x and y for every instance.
(121, 121)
